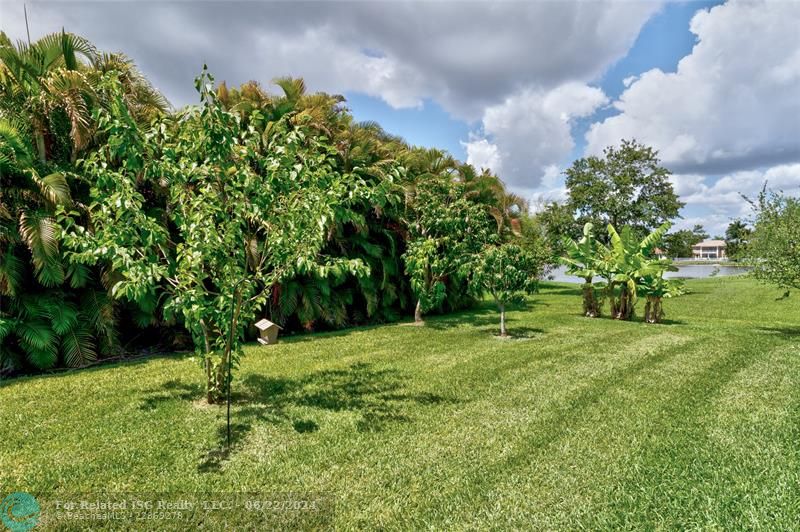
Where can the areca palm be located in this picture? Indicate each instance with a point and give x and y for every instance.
(27, 201)
(53, 80)
(41, 321)
(487, 189)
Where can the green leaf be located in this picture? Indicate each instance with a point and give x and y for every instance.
(36, 335)
(11, 270)
(63, 317)
(78, 347)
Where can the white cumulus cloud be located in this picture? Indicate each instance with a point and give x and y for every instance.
(714, 202)
(464, 55)
(733, 103)
(530, 132)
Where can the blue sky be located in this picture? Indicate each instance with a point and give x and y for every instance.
(428, 125)
(523, 88)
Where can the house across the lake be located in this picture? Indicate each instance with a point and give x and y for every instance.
(709, 249)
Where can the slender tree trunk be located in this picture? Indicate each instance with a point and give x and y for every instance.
(418, 313)
(503, 332)
(40, 146)
(209, 364)
(227, 360)
(209, 379)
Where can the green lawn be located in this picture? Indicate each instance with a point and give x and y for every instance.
(574, 424)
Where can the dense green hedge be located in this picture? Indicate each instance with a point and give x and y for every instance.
(63, 111)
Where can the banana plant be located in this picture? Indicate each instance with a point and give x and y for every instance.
(628, 261)
(583, 260)
(654, 287)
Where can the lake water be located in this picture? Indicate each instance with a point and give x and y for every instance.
(687, 271)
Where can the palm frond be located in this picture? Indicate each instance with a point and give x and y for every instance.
(78, 347)
(293, 88)
(39, 232)
(42, 358)
(15, 152)
(99, 311)
(54, 188)
(78, 275)
(7, 326)
(11, 271)
(63, 316)
(35, 334)
(62, 49)
(71, 91)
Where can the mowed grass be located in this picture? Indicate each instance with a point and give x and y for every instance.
(575, 423)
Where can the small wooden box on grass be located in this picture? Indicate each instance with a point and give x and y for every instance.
(268, 332)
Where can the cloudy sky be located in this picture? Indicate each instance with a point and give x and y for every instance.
(523, 88)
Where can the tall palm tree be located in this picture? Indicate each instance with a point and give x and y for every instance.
(38, 79)
(487, 189)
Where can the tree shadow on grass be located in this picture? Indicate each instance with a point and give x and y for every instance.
(787, 332)
(472, 320)
(378, 396)
(668, 322)
(318, 335)
(173, 390)
(523, 333)
(484, 317)
(562, 290)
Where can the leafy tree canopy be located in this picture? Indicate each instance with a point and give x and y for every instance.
(774, 247)
(240, 213)
(445, 230)
(627, 186)
(680, 243)
(737, 235)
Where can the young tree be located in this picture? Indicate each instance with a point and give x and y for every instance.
(246, 210)
(655, 288)
(736, 237)
(626, 187)
(507, 272)
(774, 247)
(445, 231)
